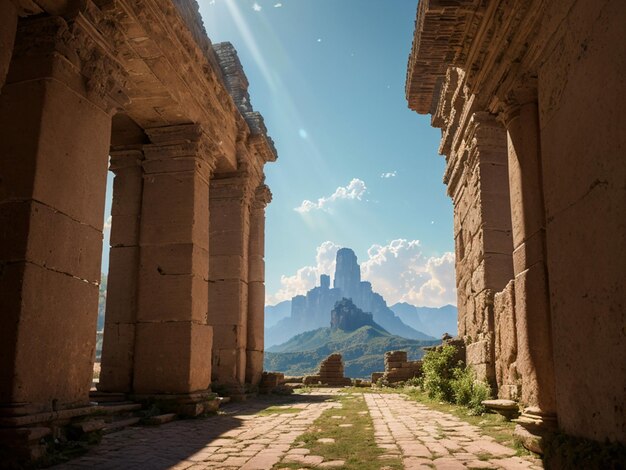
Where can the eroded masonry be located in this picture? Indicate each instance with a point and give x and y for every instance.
(529, 96)
(138, 81)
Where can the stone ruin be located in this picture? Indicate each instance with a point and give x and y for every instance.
(398, 368)
(140, 82)
(330, 373)
(527, 97)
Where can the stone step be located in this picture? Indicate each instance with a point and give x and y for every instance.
(160, 419)
(115, 408)
(119, 425)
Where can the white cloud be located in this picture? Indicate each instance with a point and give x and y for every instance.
(306, 277)
(256, 7)
(278, 5)
(353, 191)
(398, 271)
(390, 174)
(107, 223)
(401, 273)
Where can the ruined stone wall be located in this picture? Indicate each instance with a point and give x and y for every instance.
(583, 121)
(550, 72)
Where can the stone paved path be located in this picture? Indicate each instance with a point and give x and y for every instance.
(427, 439)
(241, 438)
(238, 439)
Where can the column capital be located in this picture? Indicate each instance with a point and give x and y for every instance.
(262, 196)
(87, 43)
(125, 158)
(183, 147)
(519, 95)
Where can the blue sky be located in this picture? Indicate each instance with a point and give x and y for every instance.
(328, 77)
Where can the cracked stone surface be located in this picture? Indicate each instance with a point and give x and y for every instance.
(425, 439)
(241, 438)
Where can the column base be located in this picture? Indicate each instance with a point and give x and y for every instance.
(184, 404)
(27, 434)
(533, 427)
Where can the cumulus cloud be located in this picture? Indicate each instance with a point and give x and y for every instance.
(306, 277)
(256, 7)
(401, 273)
(390, 174)
(398, 271)
(353, 191)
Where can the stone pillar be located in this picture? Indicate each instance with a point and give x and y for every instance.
(485, 236)
(172, 338)
(121, 305)
(8, 27)
(231, 197)
(55, 127)
(532, 308)
(256, 286)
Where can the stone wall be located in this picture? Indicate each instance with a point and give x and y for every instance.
(548, 74)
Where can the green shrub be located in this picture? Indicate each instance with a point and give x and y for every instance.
(438, 366)
(444, 380)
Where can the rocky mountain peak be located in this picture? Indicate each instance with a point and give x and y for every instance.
(348, 317)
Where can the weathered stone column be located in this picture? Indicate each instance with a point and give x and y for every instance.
(482, 236)
(532, 308)
(55, 126)
(121, 305)
(256, 286)
(8, 27)
(231, 197)
(172, 337)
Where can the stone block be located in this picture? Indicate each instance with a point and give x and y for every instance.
(228, 302)
(534, 342)
(254, 366)
(37, 233)
(256, 270)
(62, 163)
(228, 267)
(229, 336)
(48, 324)
(229, 365)
(116, 371)
(175, 210)
(228, 243)
(530, 252)
(176, 297)
(122, 281)
(478, 352)
(125, 230)
(172, 357)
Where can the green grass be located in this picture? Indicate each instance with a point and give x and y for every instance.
(490, 424)
(355, 445)
(279, 410)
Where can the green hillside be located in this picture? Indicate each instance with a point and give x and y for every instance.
(362, 349)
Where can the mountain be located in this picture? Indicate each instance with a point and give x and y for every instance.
(362, 344)
(312, 311)
(275, 313)
(432, 321)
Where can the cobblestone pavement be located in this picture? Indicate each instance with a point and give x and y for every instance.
(240, 438)
(243, 438)
(427, 439)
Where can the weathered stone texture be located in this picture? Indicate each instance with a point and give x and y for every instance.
(551, 73)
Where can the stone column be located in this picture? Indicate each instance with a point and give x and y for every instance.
(172, 336)
(256, 286)
(8, 27)
(483, 239)
(121, 305)
(532, 308)
(55, 126)
(231, 197)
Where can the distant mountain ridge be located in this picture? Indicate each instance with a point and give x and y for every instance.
(434, 321)
(312, 311)
(362, 345)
